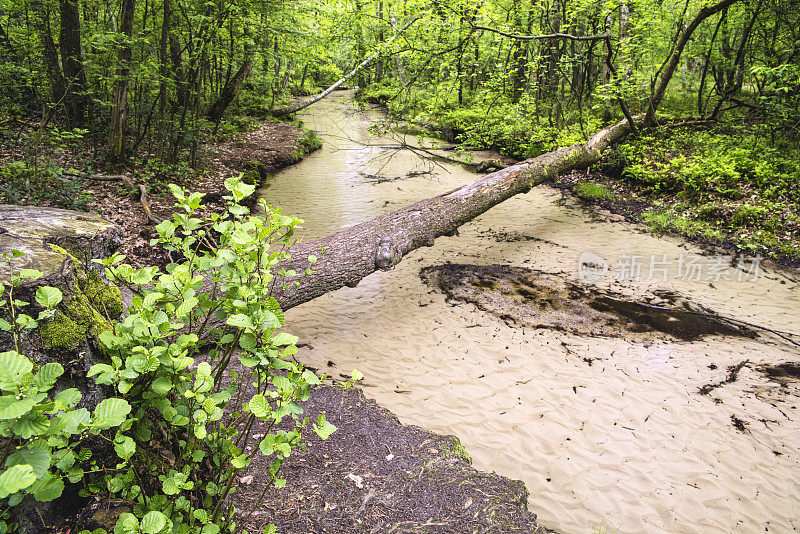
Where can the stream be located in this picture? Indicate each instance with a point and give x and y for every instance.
(609, 434)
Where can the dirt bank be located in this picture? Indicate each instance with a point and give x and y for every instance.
(377, 475)
(258, 154)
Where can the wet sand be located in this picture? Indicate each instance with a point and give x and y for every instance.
(603, 431)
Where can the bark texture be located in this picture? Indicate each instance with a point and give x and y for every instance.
(346, 257)
(72, 61)
(230, 89)
(119, 111)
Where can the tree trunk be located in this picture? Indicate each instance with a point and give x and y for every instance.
(163, 59)
(72, 61)
(346, 257)
(229, 91)
(49, 52)
(119, 111)
(675, 57)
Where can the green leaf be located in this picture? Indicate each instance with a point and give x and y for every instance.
(356, 375)
(16, 478)
(38, 459)
(284, 339)
(31, 425)
(48, 297)
(161, 386)
(282, 384)
(13, 366)
(310, 377)
(201, 515)
(75, 420)
(69, 397)
(65, 459)
(204, 369)
(47, 488)
(153, 522)
(75, 474)
(10, 408)
(47, 375)
(248, 341)
(127, 524)
(323, 427)
(259, 406)
(170, 487)
(151, 298)
(186, 307)
(203, 381)
(166, 229)
(240, 320)
(99, 368)
(110, 413)
(30, 273)
(125, 446)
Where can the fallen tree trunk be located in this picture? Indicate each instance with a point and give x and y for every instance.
(346, 257)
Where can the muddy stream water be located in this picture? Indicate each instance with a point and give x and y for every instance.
(610, 434)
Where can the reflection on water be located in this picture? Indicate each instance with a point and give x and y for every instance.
(602, 430)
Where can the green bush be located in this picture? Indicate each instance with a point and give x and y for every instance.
(21, 183)
(165, 387)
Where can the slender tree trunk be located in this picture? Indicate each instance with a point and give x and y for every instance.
(297, 107)
(49, 51)
(72, 61)
(672, 63)
(706, 63)
(163, 59)
(119, 110)
(231, 88)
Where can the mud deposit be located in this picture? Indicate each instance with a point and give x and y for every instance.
(532, 298)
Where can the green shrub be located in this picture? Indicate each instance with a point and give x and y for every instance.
(166, 388)
(41, 434)
(22, 183)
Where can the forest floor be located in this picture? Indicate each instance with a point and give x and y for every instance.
(728, 193)
(376, 475)
(662, 216)
(257, 154)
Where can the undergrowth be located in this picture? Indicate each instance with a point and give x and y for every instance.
(180, 418)
(733, 185)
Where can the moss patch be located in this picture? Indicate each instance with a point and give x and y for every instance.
(63, 333)
(593, 191)
(93, 302)
(105, 297)
(451, 447)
